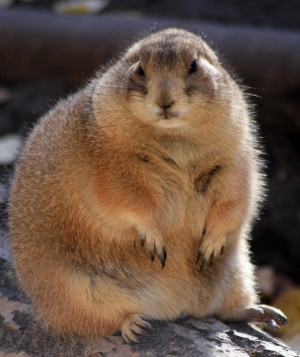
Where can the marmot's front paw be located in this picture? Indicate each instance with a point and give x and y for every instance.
(211, 247)
(154, 244)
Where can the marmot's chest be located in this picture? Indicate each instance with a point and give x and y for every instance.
(186, 193)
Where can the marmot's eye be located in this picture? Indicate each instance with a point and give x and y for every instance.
(193, 67)
(140, 71)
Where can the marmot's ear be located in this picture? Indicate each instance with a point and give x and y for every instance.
(210, 55)
(133, 54)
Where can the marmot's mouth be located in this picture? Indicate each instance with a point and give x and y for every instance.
(168, 114)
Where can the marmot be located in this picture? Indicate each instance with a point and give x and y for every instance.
(133, 198)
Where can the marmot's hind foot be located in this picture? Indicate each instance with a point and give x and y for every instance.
(273, 317)
(135, 325)
(269, 315)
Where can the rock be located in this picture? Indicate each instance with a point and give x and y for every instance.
(4, 246)
(20, 332)
(9, 148)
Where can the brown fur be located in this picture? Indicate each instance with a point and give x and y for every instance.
(147, 153)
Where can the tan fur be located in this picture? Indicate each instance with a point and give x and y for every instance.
(109, 167)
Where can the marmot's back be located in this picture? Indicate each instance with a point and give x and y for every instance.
(134, 197)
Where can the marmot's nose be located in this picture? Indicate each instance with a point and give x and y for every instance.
(165, 104)
(168, 104)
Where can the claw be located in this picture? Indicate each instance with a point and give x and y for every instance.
(199, 256)
(204, 260)
(212, 258)
(145, 327)
(148, 320)
(222, 249)
(260, 311)
(163, 260)
(203, 264)
(127, 339)
(165, 253)
(272, 324)
(283, 320)
(142, 237)
(144, 332)
(152, 256)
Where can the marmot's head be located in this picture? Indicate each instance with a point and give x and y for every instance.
(172, 78)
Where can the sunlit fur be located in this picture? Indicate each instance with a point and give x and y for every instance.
(105, 167)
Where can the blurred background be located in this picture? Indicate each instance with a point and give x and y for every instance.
(48, 49)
